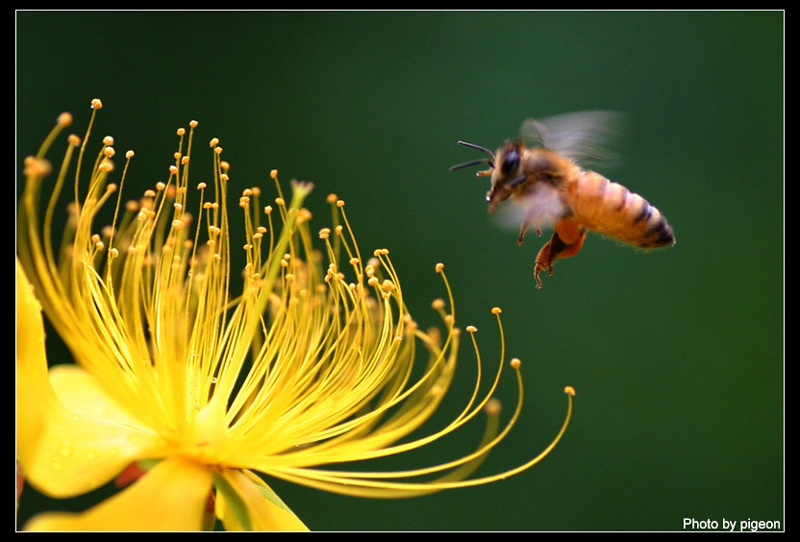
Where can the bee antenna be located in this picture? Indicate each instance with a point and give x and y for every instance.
(478, 147)
(472, 163)
(489, 160)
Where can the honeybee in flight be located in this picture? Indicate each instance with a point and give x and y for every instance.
(541, 173)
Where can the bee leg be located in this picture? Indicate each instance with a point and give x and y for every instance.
(544, 260)
(553, 250)
(525, 225)
(522, 231)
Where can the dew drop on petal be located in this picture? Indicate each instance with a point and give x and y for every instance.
(66, 449)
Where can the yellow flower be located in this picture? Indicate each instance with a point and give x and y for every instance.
(313, 363)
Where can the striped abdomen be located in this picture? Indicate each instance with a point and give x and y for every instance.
(611, 209)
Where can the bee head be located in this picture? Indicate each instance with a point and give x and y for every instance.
(505, 169)
(508, 175)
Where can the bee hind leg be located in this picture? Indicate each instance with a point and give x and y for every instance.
(553, 250)
(544, 260)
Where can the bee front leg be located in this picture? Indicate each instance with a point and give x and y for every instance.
(525, 225)
(522, 231)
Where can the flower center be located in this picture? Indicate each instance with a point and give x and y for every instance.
(210, 437)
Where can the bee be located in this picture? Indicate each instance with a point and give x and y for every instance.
(544, 176)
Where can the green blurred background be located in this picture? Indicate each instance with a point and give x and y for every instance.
(677, 356)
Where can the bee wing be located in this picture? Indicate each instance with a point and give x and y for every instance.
(538, 208)
(590, 138)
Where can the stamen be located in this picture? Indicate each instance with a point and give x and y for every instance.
(305, 367)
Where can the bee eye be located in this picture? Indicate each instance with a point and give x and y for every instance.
(510, 162)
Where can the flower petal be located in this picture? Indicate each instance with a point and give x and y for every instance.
(245, 502)
(88, 438)
(34, 394)
(79, 391)
(73, 438)
(172, 496)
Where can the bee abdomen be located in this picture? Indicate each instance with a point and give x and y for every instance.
(611, 209)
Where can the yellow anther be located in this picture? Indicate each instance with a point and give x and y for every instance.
(493, 407)
(64, 119)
